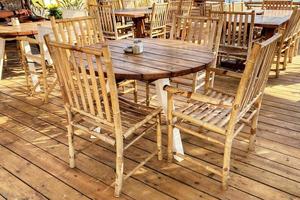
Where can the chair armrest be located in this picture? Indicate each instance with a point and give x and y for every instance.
(198, 97)
(224, 72)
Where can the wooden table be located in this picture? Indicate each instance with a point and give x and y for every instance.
(138, 16)
(12, 32)
(272, 20)
(161, 60)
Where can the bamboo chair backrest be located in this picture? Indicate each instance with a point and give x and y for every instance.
(106, 18)
(237, 29)
(212, 8)
(185, 7)
(255, 76)
(277, 5)
(116, 4)
(80, 30)
(293, 25)
(205, 31)
(159, 15)
(227, 7)
(87, 81)
(172, 10)
(238, 6)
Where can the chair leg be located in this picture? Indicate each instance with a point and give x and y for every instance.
(134, 84)
(147, 94)
(159, 140)
(70, 140)
(226, 163)
(253, 129)
(291, 53)
(277, 64)
(119, 165)
(170, 126)
(285, 59)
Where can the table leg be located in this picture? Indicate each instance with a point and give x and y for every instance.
(140, 27)
(163, 101)
(31, 66)
(2, 52)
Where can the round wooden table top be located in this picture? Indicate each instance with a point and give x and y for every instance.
(161, 58)
(24, 29)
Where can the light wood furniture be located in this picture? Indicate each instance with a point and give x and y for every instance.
(237, 34)
(218, 117)
(82, 31)
(204, 31)
(158, 21)
(185, 7)
(161, 60)
(138, 16)
(40, 76)
(92, 101)
(287, 43)
(277, 5)
(105, 14)
(9, 33)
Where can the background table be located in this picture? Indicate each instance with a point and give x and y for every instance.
(161, 60)
(272, 20)
(138, 16)
(12, 32)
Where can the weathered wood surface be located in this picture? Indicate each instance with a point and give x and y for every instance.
(33, 144)
(161, 59)
(23, 29)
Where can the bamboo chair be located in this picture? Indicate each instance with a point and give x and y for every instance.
(288, 41)
(157, 27)
(84, 31)
(204, 31)
(277, 5)
(237, 34)
(185, 7)
(218, 117)
(92, 101)
(172, 11)
(40, 76)
(107, 20)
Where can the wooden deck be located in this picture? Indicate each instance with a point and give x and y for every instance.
(34, 153)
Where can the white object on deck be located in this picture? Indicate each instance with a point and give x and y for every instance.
(163, 101)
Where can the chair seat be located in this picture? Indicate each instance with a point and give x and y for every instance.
(207, 113)
(132, 115)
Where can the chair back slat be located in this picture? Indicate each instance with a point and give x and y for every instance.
(277, 5)
(185, 7)
(237, 29)
(87, 80)
(158, 19)
(106, 17)
(80, 31)
(205, 31)
(255, 76)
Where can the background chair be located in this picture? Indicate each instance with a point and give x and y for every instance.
(107, 20)
(277, 5)
(92, 101)
(288, 41)
(237, 35)
(204, 31)
(39, 74)
(218, 117)
(158, 21)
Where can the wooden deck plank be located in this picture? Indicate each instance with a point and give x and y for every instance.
(33, 111)
(14, 188)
